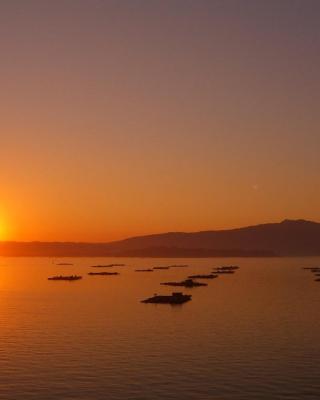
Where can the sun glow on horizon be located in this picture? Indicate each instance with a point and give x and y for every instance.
(152, 117)
(3, 229)
(2, 232)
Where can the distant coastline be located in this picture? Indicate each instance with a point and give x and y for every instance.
(287, 238)
(22, 251)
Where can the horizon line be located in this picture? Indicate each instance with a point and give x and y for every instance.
(285, 220)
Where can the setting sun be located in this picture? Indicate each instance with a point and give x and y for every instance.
(159, 199)
(3, 228)
(2, 231)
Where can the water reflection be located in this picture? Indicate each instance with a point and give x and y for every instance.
(251, 335)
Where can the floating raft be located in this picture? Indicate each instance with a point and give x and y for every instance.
(65, 278)
(188, 283)
(108, 266)
(64, 264)
(223, 271)
(144, 270)
(103, 273)
(210, 276)
(175, 298)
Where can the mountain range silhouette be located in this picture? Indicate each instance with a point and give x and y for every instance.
(287, 238)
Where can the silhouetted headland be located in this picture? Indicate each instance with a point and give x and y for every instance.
(288, 238)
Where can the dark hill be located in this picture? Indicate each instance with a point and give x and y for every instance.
(288, 238)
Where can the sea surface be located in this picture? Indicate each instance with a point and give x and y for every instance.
(251, 335)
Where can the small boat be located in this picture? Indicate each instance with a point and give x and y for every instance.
(65, 278)
(161, 267)
(103, 273)
(210, 276)
(188, 283)
(175, 298)
(144, 270)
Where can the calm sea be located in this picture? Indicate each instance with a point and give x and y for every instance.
(251, 335)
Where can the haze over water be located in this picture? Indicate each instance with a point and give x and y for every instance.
(251, 335)
(137, 117)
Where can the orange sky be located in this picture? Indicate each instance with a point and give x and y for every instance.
(125, 118)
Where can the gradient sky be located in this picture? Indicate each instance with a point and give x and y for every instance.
(136, 116)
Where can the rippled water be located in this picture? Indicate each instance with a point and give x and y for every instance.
(251, 335)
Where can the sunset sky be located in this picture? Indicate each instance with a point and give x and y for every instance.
(128, 117)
